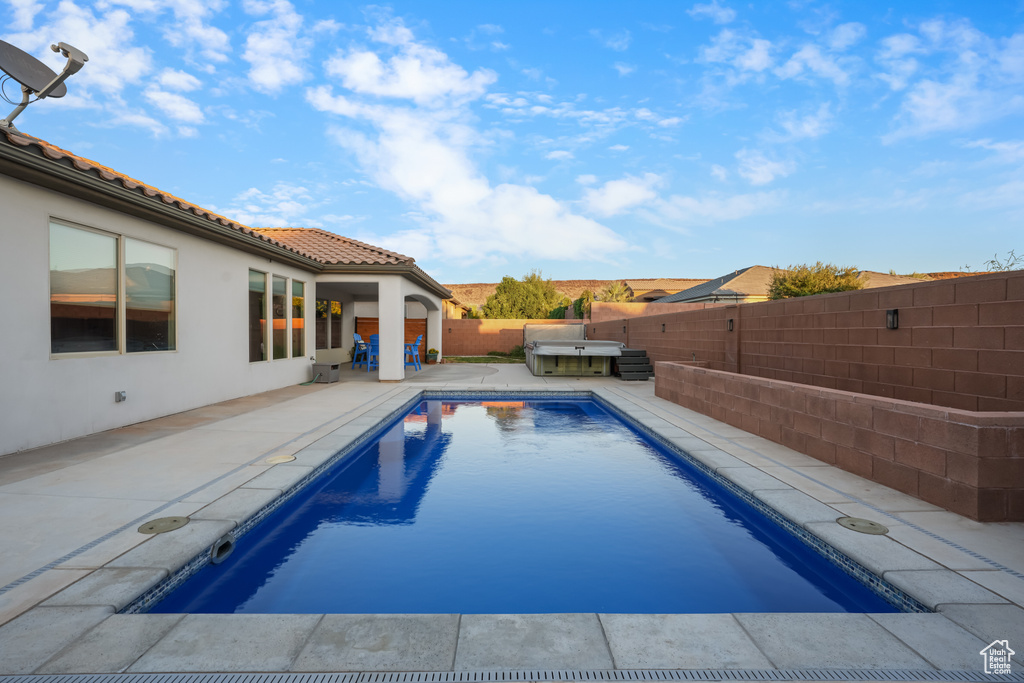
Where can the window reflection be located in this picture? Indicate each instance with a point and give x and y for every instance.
(83, 290)
(257, 316)
(278, 302)
(149, 297)
(298, 319)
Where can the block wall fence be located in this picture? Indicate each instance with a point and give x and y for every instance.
(933, 408)
(473, 337)
(959, 343)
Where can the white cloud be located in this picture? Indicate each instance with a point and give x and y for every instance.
(172, 79)
(617, 196)
(286, 204)
(24, 13)
(114, 62)
(846, 35)
(421, 150)
(176, 106)
(187, 132)
(713, 11)
(619, 41)
(759, 169)
(586, 179)
(810, 59)
(274, 49)
(671, 121)
(417, 72)
(745, 53)
(619, 148)
(716, 208)
(933, 106)
(1009, 195)
(1007, 151)
(893, 55)
(559, 155)
(623, 68)
(719, 172)
(804, 127)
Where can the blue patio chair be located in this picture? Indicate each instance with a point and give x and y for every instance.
(373, 353)
(362, 348)
(412, 351)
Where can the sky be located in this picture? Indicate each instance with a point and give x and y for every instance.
(589, 140)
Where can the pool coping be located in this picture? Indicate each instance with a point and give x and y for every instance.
(964, 608)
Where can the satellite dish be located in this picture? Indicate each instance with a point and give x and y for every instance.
(34, 77)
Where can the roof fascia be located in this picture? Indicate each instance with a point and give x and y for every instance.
(409, 271)
(37, 170)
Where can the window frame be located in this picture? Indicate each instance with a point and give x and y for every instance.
(121, 305)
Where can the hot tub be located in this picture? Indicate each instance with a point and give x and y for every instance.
(572, 357)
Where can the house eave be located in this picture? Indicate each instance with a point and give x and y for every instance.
(36, 170)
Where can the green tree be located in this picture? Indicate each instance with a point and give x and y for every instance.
(581, 307)
(531, 297)
(804, 280)
(615, 292)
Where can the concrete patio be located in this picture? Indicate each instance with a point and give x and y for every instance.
(75, 558)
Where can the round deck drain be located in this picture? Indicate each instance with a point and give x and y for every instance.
(163, 524)
(864, 526)
(278, 459)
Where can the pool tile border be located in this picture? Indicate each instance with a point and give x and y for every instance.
(376, 425)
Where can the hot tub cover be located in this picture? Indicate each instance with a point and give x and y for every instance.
(575, 347)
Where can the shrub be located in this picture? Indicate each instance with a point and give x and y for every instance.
(804, 280)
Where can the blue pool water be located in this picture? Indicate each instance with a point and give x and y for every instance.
(518, 507)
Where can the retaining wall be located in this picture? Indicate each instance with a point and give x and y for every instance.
(968, 462)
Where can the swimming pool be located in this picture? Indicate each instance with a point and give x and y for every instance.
(534, 506)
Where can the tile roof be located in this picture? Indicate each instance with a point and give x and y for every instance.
(318, 246)
(328, 247)
(54, 153)
(749, 281)
(667, 284)
(755, 281)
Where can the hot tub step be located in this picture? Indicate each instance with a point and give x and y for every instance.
(633, 364)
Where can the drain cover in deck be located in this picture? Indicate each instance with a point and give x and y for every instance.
(278, 459)
(163, 524)
(865, 526)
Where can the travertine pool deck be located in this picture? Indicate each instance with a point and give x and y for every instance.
(73, 557)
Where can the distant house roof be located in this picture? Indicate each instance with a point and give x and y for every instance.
(753, 283)
(668, 284)
(36, 161)
(748, 282)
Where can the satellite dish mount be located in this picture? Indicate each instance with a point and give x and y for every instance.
(35, 78)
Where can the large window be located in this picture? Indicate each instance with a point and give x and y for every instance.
(277, 320)
(257, 316)
(277, 304)
(298, 319)
(148, 296)
(328, 324)
(109, 293)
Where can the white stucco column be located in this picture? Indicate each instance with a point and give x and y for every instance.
(434, 331)
(391, 314)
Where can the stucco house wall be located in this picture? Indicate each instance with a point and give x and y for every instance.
(46, 399)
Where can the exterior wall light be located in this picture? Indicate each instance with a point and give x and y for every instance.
(730, 324)
(892, 319)
(663, 327)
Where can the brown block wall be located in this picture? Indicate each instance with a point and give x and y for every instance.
(967, 462)
(603, 311)
(476, 337)
(959, 344)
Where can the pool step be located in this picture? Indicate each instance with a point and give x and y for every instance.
(633, 364)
